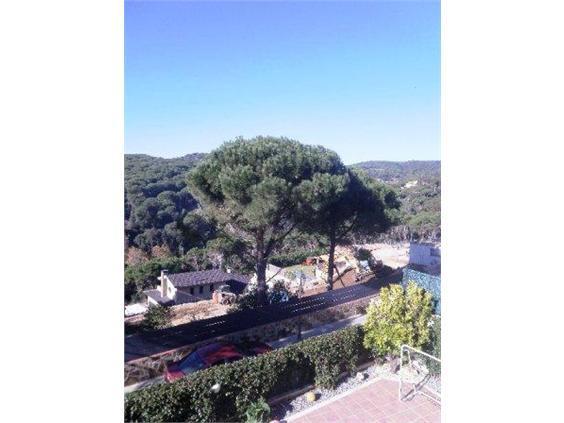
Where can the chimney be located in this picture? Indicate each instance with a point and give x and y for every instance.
(164, 272)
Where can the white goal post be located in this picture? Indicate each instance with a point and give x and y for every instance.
(421, 386)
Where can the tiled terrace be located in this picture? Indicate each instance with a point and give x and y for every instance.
(375, 402)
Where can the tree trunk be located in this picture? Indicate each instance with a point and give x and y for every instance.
(261, 274)
(261, 282)
(331, 261)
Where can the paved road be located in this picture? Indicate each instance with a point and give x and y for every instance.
(151, 343)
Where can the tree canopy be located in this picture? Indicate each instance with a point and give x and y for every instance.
(337, 206)
(157, 204)
(251, 188)
(420, 214)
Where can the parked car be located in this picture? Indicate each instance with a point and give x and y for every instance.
(212, 355)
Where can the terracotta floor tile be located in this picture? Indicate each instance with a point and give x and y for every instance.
(376, 403)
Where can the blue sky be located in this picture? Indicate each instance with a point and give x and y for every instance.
(361, 78)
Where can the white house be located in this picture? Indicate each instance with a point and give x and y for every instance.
(189, 287)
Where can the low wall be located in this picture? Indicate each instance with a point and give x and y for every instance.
(151, 367)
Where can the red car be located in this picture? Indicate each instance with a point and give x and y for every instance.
(212, 355)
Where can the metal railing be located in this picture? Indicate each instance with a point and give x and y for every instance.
(427, 368)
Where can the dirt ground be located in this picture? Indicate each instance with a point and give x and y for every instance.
(393, 255)
(195, 311)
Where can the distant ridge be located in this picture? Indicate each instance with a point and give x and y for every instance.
(389, 171)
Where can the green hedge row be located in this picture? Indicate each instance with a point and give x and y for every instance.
(320, 360)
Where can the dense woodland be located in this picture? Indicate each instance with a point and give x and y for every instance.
(420, 203)
(164, 226)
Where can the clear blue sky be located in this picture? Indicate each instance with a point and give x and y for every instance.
(361, 78)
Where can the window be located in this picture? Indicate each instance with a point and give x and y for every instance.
(192, 290)
(201, 289)
(211, 287)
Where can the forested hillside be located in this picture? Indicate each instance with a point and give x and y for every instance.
(401, 172)
(418, 184)
(157, 203)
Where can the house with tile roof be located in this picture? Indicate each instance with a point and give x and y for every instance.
(190, 287)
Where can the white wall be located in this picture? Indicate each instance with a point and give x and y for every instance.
(424, 254)
(170, 290)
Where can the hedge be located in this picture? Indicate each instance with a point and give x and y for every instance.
(317, 360)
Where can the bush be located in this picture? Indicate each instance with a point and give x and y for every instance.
(435, 338)
(156, 317)
(144, 275)
(245, 382)
(434, 347)
(362, 254)
(398, 317)
(275, 295)
(278, 294)
(257, 412)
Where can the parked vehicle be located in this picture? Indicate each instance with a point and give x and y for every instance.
(212, 355)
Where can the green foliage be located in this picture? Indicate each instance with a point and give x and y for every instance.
(257, 412)
(398, 317)
(144, 275)
(435, 341)
(434, 347)
(201, 259)
(331, 354)
(401, 172)
(250, 187)
(362, 254)
(245, 301)
(157, 201)
(277, 294)
(234, 253)
(338, 206)
(156, 317)
(245, 382)
(295, 257)
(420, 216)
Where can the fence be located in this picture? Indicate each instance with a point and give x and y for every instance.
(422, 371)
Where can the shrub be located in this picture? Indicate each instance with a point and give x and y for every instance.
(434, 347)
(257, 412)
(156, 317)
(435, 337)
(144, 275)
(277, 294)
(245, 382)
(363, 254)
(398, 317)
